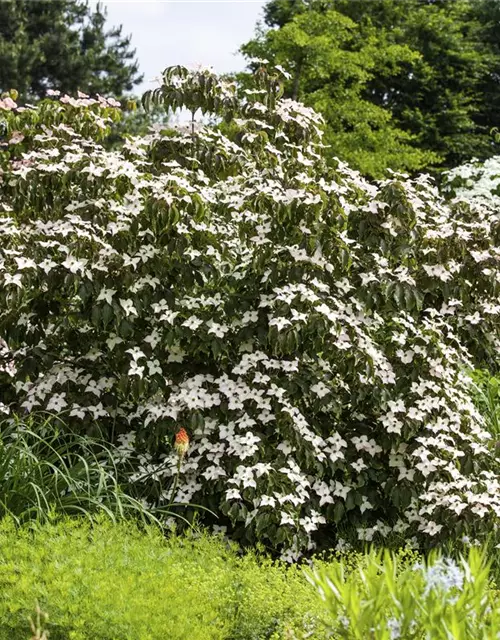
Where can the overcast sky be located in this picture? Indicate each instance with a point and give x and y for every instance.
(187, 32)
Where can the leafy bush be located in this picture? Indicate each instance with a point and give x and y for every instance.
(116, 581)
(475, 182)
(438, 599)
(308, 329)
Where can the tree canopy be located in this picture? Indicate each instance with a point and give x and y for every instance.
(63, 45)
(404, 85)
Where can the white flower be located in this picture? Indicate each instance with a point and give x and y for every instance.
(340, 490)
(365, 505)
(74, 265)
(176, 354)
(391, 423)
(480, 510)
(97, 411)
(397, 406)
(192, 323)
(135, 369)
(438, 271)
(218, 529)
(136, 353)
(154, 367)
(25, 263)
(415, 414)
(214, 473)
(77, 411)
(13, 279)
(47, 265)
(405, 356)
(219, 330)
(366, 533)
(406, 474)
(130, 262)
(285, 447)
(324, 492)
(431, 528)
(154, 338)
(267, 501)
(320, 389)
(128, 307)
(279, 323)
(426, 467)
(286, 518)
(107, 295)
(113, 340)
(363, 444)
(169, 316)
(359, 465)
(57, 402)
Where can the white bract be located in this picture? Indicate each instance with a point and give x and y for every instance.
(309, 329)
(476, 182)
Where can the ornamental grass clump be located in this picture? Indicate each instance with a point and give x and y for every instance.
(487, 396)
(47, 472)
(310, 331)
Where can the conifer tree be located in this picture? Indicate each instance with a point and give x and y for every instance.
(63, 45)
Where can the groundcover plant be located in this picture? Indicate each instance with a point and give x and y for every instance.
(309, 330)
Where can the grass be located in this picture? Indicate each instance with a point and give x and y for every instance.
(487, 395)
(47, 471)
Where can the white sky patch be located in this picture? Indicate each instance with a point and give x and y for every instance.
(187, 32)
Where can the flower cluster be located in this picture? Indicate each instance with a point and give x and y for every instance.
(309, 329)
(476, 182)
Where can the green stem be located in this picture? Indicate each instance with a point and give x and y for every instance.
(176, 481)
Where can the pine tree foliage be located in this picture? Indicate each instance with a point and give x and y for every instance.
(63, 45)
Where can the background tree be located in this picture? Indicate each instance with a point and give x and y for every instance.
(488, 13)
(63, 45)
(402, 84)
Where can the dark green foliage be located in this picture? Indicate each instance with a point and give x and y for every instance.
(402, 84)
(63, 45)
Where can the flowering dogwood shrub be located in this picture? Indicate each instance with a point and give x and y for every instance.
(309, 330)
(476, 182)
